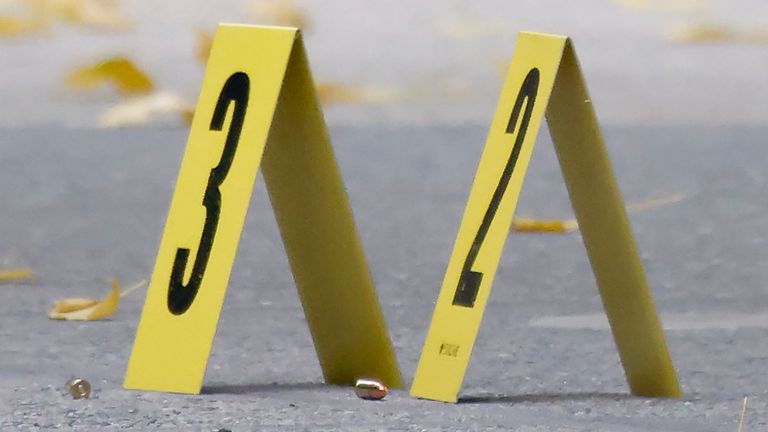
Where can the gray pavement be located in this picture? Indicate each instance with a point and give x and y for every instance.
(81, 205)
(442, 62)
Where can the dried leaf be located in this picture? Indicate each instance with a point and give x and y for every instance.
(54, 10)
(101, 14)
(16, 275)
(531, 225)
(331, 93)
(284, 12)
(666, 5)
(187, 114)
(653, 203)
(142, 110)
(82, 309)
(468, 29)
(204, 43)
(716, 33)
(743, 414)
(758, 36)
(135, 287)
(12, 26)
(119, 71)
(73, 304)
(697, 33)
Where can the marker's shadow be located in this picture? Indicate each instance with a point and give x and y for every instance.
(260, 388)
(545, 398)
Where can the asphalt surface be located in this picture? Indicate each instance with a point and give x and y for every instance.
(81, 205)
(436, 63)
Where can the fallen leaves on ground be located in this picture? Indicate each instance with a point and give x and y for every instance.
(118, 71)
(331, 93)
(559, 226)
(14, 26)
(653, 203)
(84, 309)
(466, 29)
(532, 225)
(101, 14)
(204, 44)
(743, 414)
(16, 275)
(716, 33)
(146, 109)
(666, 5)
(283, 12)
(135, 287)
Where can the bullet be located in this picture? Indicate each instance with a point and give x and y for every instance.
(370, 389)
(79, 388)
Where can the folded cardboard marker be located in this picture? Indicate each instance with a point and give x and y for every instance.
(544, 77)
(257, 100)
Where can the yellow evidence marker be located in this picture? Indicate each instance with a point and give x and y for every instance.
(544, 78)
(258, 99)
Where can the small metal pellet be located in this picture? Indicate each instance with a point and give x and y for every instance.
(370, 389)
(79, 388)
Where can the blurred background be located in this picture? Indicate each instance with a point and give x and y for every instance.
(414, 62)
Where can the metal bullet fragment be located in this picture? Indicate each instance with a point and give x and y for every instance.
(370, 389)
(79, 388)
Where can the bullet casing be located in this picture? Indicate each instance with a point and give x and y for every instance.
(79, 388)
(370, 389)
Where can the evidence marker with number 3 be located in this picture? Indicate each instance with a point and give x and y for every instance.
(180, 296)
(258, 99)
(544, 78)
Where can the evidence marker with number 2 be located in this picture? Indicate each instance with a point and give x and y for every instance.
(544, 78)
(469, 282)
(258, 107)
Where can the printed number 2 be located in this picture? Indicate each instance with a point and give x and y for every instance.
(469, 282)
(180, 296)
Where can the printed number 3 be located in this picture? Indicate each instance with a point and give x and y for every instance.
(469, 282)
(180, 296)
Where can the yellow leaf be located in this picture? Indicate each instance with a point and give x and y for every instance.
(531, 225)
(716, 33)
(666, 5)
(65, 10)
(136, 286)
(697, 33)
(188, 114)
(145, 109)
(101, 14)
(73, 304)
(284, 13)
(743, 414)
(204, 43)
(12, 26)
(10, 276)
(81, 309)
(653, 203)
(468, 28)
(119, 71)
(331, 93)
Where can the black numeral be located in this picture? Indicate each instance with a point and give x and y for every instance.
(180, 296)
(469, 282)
